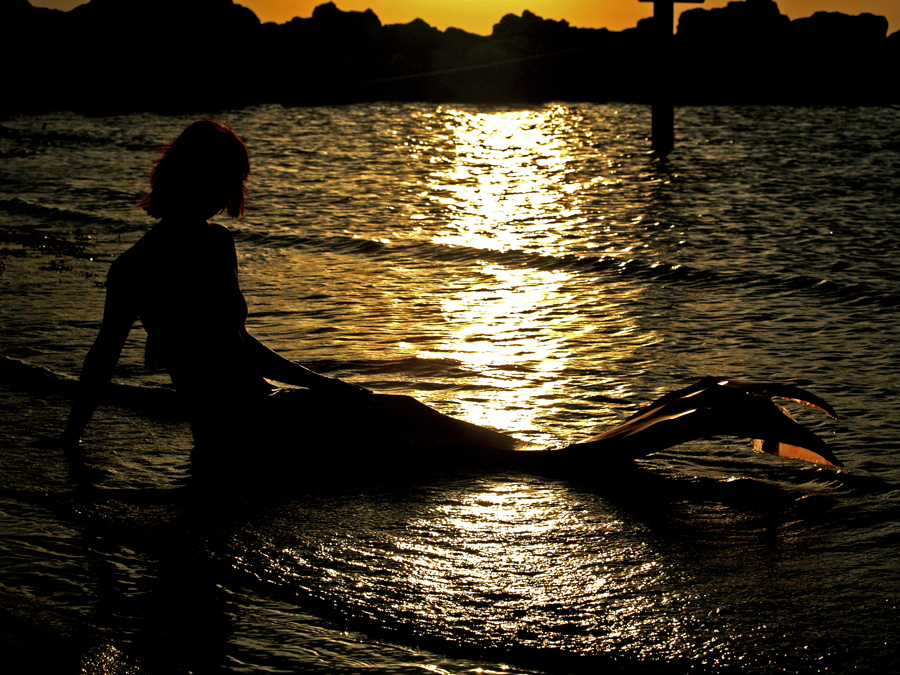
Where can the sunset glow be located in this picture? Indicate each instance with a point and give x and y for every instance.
(479, 16)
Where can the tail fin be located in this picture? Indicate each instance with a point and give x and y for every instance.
(714, 407)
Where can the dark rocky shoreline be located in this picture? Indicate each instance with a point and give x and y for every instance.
(181, 55)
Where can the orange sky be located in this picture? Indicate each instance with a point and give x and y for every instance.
(479, 16)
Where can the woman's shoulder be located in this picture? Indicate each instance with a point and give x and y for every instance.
(172, 233)
(221, 233)
(172, 243)
(223, 242)
(144, 251)
(140, 248)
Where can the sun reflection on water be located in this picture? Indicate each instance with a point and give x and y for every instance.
(504, 180)
(507, 550)
(508, 331)
(510, 180)
(498, 286)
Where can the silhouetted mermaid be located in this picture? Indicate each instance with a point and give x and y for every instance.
(181, 280)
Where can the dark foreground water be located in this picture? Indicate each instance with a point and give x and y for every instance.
(531, 269)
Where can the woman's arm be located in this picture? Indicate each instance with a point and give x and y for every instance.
(268, 363)
(272, 365)
(100, 363)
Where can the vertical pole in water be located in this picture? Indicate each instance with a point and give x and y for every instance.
(662, 127)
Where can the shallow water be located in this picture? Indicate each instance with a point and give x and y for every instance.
(533, 269)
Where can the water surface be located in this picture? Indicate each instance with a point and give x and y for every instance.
(533, 269)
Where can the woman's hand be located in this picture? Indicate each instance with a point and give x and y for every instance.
(275, 367)
(69, 440)
(332, 386)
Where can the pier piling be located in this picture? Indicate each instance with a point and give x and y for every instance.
(662, 128)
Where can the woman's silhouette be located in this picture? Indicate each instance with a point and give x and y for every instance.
(181, 280)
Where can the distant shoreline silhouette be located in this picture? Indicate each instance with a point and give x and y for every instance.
(185, 55)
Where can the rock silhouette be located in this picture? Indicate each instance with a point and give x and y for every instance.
(107, 56)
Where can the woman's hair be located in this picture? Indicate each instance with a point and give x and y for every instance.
(206, 162)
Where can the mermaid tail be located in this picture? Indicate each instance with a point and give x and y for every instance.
(714, 407)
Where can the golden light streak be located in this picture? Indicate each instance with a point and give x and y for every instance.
(505, 188)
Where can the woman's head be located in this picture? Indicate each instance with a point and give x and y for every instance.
(199, 174)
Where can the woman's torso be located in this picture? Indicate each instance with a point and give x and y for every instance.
(181, 280)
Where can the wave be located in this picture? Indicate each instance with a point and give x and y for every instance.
(54, 214)
(32, 139)
(861, 294)
(38, 380)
